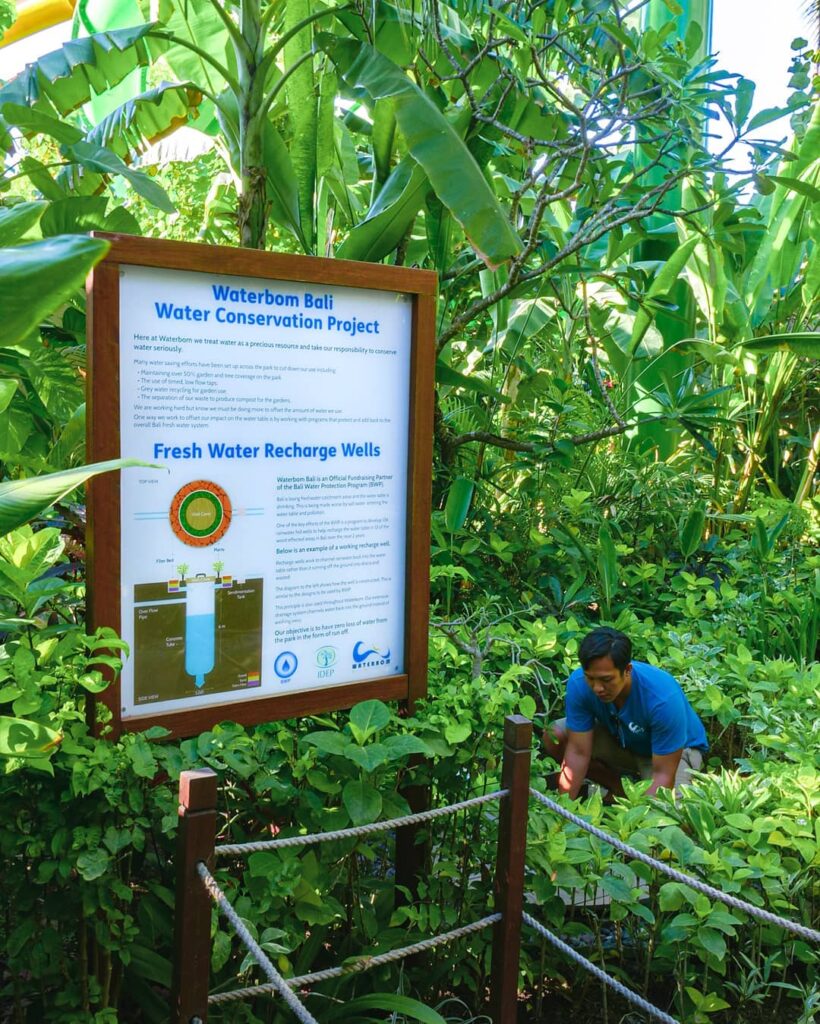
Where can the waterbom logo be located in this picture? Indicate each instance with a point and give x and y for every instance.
(325, 660)
(368, 657)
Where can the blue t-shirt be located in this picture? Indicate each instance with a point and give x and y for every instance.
(655, 719)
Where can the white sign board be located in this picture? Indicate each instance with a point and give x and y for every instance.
(268, 555)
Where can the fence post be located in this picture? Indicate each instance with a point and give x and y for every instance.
(509, 869)
(192, 904)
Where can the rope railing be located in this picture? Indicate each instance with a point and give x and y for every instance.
(274, 977)
(803, 931)
(357, 831)
(357, 966)
(191, 998)
(277, 985)
(601, 975)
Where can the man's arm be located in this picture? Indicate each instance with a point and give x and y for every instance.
(576, 762)
(664, 767)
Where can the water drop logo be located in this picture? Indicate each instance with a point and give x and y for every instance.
(285, 665)
(368, 657)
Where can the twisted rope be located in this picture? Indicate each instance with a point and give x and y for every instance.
(358, 966)
(259, 955)
(360, 830)
(627, 993)
(678, 876)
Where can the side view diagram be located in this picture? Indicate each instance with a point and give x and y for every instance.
(197, 634)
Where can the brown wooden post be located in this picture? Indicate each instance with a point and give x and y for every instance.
(192, 904)
(509, 869)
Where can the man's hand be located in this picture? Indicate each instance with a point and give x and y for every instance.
(576, 762)
(664, 767)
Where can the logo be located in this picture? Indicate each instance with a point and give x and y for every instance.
(368, 657)
(635, 729)
(286, 664)
(325, 660)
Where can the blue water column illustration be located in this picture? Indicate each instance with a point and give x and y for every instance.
(200, 628)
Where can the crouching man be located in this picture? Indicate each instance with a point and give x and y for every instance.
(623, 718)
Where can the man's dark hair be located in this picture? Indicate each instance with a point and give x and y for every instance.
(606, 641)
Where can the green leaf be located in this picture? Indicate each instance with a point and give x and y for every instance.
(390, 216)
(399, 747)
(38, 277)
(104, 162)
(431, 140)
(712, 941)
(387, 1002)
(367, 718)
(16, 220)
(797, 185)
(300, 94)
(93, 864)
(607, 563)
(802, 343)
(691, 531)
(663, 283)
(369, 757)
(329, 742)
(453, 378)
(34, 122)
(22, 738)
(457, 732)
(7, 391)
(65, 79)
(22, 500)
(362, 802)
(763, 117)
(744, 97)
(459, 497)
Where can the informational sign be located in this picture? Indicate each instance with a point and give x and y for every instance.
(267, 557)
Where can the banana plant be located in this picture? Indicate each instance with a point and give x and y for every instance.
(245, 72)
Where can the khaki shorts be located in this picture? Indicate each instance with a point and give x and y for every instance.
(607, 749)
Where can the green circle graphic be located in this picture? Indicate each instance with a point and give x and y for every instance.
(216, 506)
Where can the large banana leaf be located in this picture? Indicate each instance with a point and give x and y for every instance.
(22, 500)
(788, 229)
(300, 92)
(197, 22)
(390, 215)
(805, 343)
(431, 140)
(64, 80)
(147, 118)
(36, 278)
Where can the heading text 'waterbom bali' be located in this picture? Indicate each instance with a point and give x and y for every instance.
(296, 320)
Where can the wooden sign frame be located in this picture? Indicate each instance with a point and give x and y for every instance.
(103, 440)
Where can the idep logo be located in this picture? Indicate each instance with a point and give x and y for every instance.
(325, 660)
(368, 657)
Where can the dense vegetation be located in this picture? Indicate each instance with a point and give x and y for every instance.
(626, 432)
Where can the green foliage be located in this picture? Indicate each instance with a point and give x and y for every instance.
(626, 431)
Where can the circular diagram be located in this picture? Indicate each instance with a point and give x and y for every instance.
(200, 513)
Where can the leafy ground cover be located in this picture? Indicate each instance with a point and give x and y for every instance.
(87, 832)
